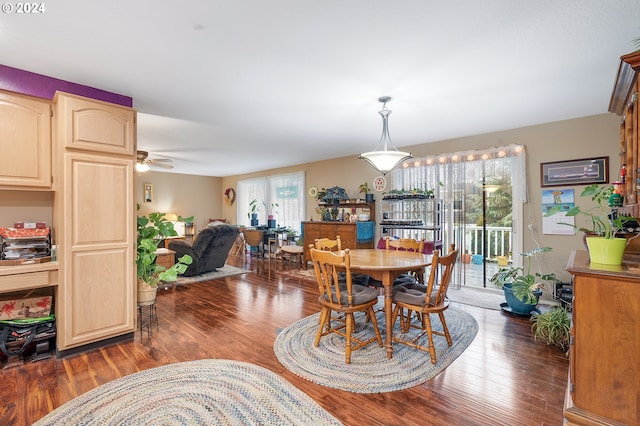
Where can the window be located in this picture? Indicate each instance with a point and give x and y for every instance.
(282, 196)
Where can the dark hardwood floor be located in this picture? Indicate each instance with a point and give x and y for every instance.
(503, 378)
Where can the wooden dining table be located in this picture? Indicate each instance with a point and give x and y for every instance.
(385, 266)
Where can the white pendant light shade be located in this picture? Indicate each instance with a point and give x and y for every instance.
(142, 167)
(385, 157)
(384, 161)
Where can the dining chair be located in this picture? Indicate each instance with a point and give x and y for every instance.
(430, 301)
(240, 245)
(328, 244)
(406, 244)
(343, 297)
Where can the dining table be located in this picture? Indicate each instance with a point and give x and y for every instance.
(385, 266)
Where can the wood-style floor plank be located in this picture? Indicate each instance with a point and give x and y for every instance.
(503, 378)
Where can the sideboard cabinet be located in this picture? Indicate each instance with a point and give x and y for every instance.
(95, 220)
(25, 128)
(349, 236)
(604, 371)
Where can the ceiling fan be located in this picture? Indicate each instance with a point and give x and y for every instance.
(143, 162)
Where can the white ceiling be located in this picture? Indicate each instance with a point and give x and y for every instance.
(235, 86)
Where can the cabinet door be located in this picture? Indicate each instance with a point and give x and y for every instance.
(95, 126)
(25, 141)
(606, 365)
(311, 231)
(97, 241)
(347, 232)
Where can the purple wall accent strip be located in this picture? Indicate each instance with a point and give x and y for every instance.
(41, 86)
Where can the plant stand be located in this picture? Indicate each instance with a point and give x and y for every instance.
(147, 317)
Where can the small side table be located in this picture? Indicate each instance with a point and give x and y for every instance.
(294, 251)
(165, 257)
(168, 239)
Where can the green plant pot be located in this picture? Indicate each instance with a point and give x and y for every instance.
(517, 306)
(606, 251)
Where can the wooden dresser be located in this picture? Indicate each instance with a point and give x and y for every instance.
(319, 229)
(604, 373)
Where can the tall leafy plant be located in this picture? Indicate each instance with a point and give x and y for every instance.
(598, 215)
(254, 207)
(152, 230)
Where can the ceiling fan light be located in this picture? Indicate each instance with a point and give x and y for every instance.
(142, 167)
(385, 157)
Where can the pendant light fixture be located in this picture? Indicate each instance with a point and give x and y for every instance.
(385, 157)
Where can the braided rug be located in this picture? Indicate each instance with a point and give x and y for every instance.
(370, 371)
(204, 392)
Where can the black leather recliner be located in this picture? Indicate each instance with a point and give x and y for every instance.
(209, 250)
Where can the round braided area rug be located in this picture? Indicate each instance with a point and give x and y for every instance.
(370, 371)
(204, 392)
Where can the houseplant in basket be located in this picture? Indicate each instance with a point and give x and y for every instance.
(605, 247)
(151, 230)
(522, 289)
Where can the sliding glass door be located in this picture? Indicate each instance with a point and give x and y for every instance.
(481, 210)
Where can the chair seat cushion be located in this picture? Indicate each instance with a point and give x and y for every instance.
(405, 279)
(413, 294)
(361, 295)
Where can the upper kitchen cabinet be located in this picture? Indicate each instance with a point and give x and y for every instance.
(90, 125)
(25, 142)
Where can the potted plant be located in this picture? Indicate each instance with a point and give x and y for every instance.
(602, 239)
(522, 289)
(291, 234)
(364, 189)
(552, 327)
(254, 208)
(271, 222)
(151, 230)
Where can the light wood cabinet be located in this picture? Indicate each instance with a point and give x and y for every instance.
(25, 140)
(95, 126)
(27, 277)
(95, 221)
(604, 386)
(624, 102)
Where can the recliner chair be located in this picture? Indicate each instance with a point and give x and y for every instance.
(209, 250)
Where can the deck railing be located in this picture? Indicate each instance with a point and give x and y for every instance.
(498, 239)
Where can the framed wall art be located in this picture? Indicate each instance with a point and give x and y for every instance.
(148, 193)
(575, 172)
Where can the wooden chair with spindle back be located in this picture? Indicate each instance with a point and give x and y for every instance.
(343, 297)
(328, 244)
(431, 301)
(406, 244)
